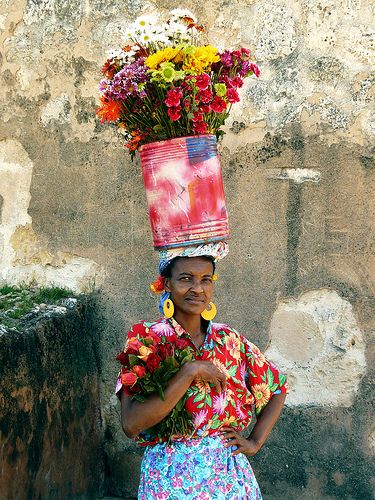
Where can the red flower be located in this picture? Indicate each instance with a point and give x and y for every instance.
(153, 362)
(233, 96)
(123, 358)
(173, 98)
(157, 286)
(205, 95)
(204, 109)
(174, 113)
(200, 127)
(133, 345)
(166, 351)
(218, 105)
(109, 69)
(237, 82)
(254, 68)
(198, 117)
(245, 52)
(128, 378)
(139, 370)
(237, 54)
(203, 81)
(181, 343)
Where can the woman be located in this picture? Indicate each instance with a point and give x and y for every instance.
(229, 375)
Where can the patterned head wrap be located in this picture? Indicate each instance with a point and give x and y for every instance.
(216, 250)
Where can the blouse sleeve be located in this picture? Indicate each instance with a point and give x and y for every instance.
(263, 377)
(139, 329)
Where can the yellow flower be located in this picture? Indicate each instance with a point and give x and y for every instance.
(262, 394)
(168, 54)
(198, 59)
(144, 352)
(228, 421)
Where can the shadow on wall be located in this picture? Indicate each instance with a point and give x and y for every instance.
(51, 426)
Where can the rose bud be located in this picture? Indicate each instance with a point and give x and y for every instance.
(139, 370)
(128, 378)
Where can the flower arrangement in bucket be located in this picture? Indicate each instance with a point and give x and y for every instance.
(167, 81)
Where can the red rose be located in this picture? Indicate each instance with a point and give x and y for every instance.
(123, 358)
(128, 378)
(174, 113)
(218, 105)
(133, 345)
(203, 81)
(166, 350)
(181, 344)
(153, 362)
(140, 371)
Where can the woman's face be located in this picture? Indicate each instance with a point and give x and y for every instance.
(191, 284)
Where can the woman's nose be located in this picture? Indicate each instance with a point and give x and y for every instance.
(197, 286)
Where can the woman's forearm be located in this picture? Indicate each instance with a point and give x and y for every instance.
(137, 416)
(267, 419)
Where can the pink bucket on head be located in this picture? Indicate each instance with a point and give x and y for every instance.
(185, 193)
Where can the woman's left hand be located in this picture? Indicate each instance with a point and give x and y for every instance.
(247, 446)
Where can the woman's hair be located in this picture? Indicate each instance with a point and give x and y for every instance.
(167, 272)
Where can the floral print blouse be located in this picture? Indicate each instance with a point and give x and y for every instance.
(251, 378)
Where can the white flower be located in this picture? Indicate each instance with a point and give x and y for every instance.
(145, 21)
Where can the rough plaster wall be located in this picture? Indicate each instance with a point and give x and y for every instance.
(299, 172)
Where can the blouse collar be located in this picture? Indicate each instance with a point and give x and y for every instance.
(180, 330)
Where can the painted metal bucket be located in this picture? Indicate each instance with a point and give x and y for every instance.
(185, 192)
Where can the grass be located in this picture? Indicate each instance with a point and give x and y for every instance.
(17, 301)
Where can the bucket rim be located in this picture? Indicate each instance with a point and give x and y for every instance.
(144, 147)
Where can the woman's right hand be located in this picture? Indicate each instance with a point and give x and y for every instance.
(207, 372)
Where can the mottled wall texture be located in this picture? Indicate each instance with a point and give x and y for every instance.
(299, 171)
(51, 443)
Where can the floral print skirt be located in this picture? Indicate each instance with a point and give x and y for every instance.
(196, 469)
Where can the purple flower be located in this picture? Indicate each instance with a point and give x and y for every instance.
(245, 68)
(125, 82)
(226, 58)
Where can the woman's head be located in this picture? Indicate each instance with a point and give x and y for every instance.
(189, 280)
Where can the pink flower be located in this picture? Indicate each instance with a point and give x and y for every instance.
(233, 96)
(245, 52)
(203, 81)
(219, 403)
(173, 98)
(226, 59)
(163, 329)
(237, 54)
(199, 418)
(254, 68)
(174, 113)
(218, 105)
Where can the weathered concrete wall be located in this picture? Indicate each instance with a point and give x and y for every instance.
(298, 162)
(51, 442)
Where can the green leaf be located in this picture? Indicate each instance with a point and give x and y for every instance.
(215, 424)
(199, 397)
(133, 360)
(232, 370)
(270, 376)
(282, 379)
(208, 400)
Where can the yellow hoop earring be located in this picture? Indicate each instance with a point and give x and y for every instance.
(168, 308)
(210, 313)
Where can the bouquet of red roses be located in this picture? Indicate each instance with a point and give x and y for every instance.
(148, 363)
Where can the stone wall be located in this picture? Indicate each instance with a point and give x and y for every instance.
(51, 442)
(299, 169)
